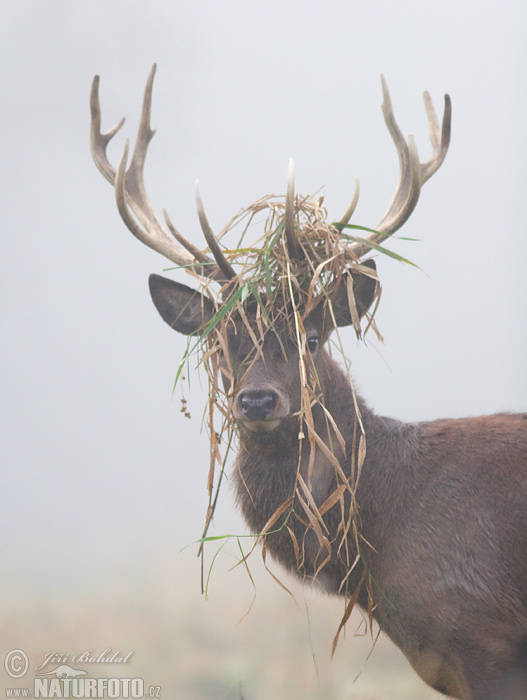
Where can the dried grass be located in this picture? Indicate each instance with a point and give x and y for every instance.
(282, 291)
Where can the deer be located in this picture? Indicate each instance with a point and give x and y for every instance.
(439, 557)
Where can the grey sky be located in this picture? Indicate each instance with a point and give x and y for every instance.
(96, 458)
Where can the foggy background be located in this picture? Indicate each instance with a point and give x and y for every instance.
(103, 479)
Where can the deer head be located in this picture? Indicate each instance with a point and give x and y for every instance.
(348, 293)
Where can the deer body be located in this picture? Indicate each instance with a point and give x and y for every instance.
(449, 571)
(438, 547)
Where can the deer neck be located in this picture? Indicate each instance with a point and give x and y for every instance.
(268, 467)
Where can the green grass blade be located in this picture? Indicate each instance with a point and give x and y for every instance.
(374, 246)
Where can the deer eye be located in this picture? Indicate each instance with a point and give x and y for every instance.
(312, 343)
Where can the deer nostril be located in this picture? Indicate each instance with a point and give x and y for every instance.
(257, 405)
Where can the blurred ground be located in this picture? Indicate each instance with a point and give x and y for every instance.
(197, 649)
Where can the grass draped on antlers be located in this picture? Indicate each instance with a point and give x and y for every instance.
(282, 291)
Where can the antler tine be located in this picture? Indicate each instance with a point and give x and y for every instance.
(409, 185)
(350, 210)
(99, 141)
(194, 250)
(413, 174)
(292, 242)
(212, 241)
(440, 138)
(130, 192)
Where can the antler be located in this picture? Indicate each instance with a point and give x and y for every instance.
(289, 216)
(132, 200)
(413, 174)
(139, 216)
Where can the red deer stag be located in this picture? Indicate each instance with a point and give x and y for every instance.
(440, 560)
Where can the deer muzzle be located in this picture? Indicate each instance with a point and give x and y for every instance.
(260, 409)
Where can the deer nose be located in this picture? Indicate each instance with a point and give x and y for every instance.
(257, 404)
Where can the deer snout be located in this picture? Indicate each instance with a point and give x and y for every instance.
(257, 404)
(260, 409)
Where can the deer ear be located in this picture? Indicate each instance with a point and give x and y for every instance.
(184, 309)
(364, 288)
